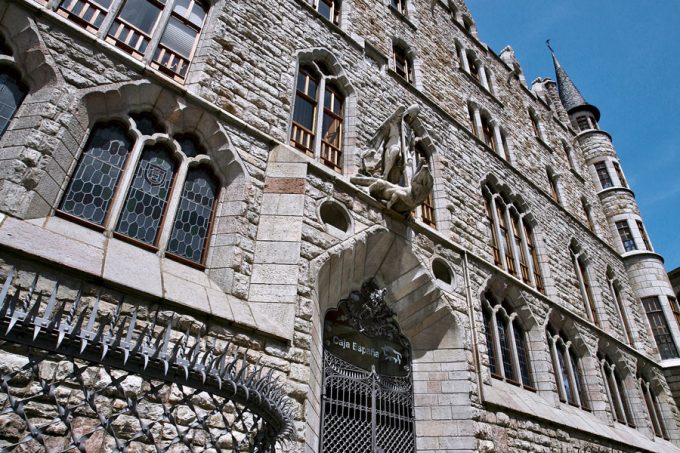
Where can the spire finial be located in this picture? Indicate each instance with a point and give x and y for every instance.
(547, 43)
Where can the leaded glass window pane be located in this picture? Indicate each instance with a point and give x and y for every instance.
(488, 324)
(506, 353)
(148, 195)
(192, 224)
(522, 355)
(94, 182)
(569, 392)
(12, 94)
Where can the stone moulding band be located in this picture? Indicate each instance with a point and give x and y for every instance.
(106, 336)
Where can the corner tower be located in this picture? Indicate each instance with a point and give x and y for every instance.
(645, 267)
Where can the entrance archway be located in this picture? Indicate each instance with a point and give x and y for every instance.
(367, 402)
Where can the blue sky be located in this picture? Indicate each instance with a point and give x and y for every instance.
(624, 56)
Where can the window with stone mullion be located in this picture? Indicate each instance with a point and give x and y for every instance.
(652, 412)
(494, 235)
(660, 328)
(626, 236)
(603, 175)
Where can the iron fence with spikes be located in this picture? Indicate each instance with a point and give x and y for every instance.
(91, 379)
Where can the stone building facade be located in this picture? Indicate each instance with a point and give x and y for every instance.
(190, 260)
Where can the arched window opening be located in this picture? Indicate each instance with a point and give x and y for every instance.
(583, 282)
(147, 123)
(89, 194)
(512, 240)
(554, 188)
(136, 202)
(332, 128)
(616, 391)
(473, 65)
(403, 64)
(615, 289)
(330, 9)
(195, 215)
(12, 94)
(146, 202)
(536, 124)
(424, 212)
(487, 133)
(589, 214)
(506, 344)
(473, 121)
(189, 145)
(367, 387)
(567, 368)
(653, 408)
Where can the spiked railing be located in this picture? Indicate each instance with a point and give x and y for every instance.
(258, 412)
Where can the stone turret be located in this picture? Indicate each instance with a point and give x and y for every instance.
(645, 267)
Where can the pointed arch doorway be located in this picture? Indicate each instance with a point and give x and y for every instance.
(367, 400)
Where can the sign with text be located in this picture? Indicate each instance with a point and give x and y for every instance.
(386, 355)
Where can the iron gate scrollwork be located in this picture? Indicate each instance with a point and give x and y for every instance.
(87, 377)
(367, 404)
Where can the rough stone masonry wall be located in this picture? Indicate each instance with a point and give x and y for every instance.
(249, 72)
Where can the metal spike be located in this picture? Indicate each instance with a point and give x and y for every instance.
(87, 334)
(127, 344)
(45, 319)
(5, 287)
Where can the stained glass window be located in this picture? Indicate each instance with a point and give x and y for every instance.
(522, 356)
(94, 182)
(506, 353)
(12, 94)
(192, 224)
(148, 195)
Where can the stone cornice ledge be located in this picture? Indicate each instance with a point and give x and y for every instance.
(134, 270)
(515, 399)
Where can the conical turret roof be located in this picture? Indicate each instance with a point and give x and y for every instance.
(570, 96)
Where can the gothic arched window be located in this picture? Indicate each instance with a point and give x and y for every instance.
(653, 408)
(616, 391)
(506, 343)
(12, 94)
(512, 239)
(138, 189)
(567, 368)
(584, 285)
(94, 182)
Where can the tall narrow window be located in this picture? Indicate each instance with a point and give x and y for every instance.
(536, 124)
(517, 239)
(487, 130)
(134, 25)
(583, 123)
(425, 210)
(643, 234)
(330, 9)
(176, 47)
(506, 343)
(619, 174)
(660, 329)
(626, 236)
(88, 13)
(147, 198)
(402, 63)
(473, 64)
(589, 215)
(189, 237)
(12, 94)
(473, 122)
(554, 191)
(675, 308)
(621, 309)
(603, 175)
(399, 5)
(302, 134)
(94, 182)
(616, 391)
(653, 408)
(331, 129)
(538, 278)
(583, 281)
(569, 153)
(494, 237)
(505, 239)
(313, 86)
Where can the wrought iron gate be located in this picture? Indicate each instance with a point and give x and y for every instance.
(367, 401)
(364, 412)
(90, 373)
